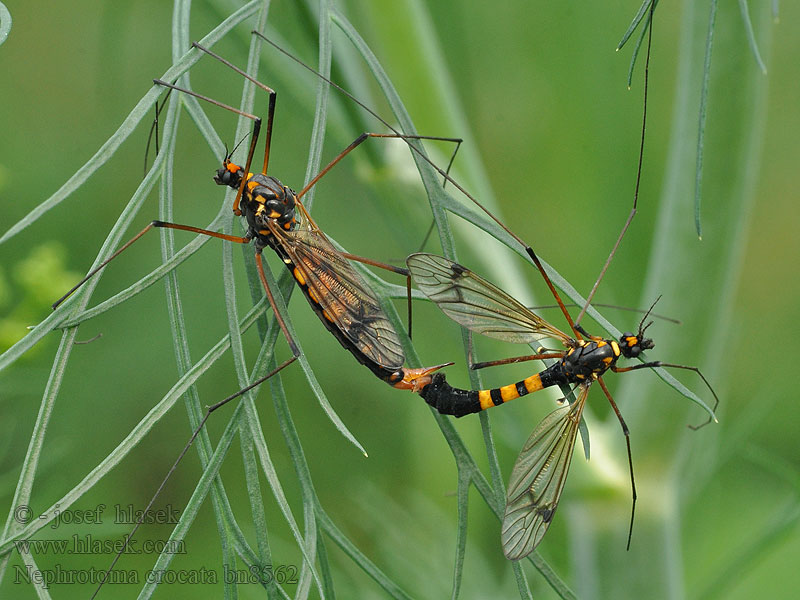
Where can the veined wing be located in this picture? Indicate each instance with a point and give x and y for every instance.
(477, 304)
(343, 295)
(538, 477)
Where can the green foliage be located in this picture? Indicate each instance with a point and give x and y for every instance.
(37, 279)
(549, 144)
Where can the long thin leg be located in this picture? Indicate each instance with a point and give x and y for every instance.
(444, 184)
(174, 466)
(427, 236)
(270, 109)
(638, 174)
(253, 139)
(626, 432)
(658, 363)
(553, 291)
(615, 306)
(129, 243)
(359, 140)
(89, 341)
(368, 261)
(398, 134)
(260, 267)
(517, 359)
(256, 120)
(154, 130)
(444, 174)
(439, 170)
(231, 238)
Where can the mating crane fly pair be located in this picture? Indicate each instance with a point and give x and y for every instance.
(350, 310)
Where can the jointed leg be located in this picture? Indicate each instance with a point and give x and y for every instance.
(129, 243)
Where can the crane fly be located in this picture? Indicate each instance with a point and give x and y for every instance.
(276, 218)
(538, 476)
(540, 471)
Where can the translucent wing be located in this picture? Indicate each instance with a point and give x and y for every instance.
(538, 477)
(475, 303)
(343, 294)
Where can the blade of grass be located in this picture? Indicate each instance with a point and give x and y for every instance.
(643, 10)
(179, 332)
(358, 557)
(741, 198)
(138, 113)
(248, 455)
(462, 509)
(39, 584)
(133, 438)
(22, 492)
(751, 36)
(193, 505)
(703, 303)
(701, 127)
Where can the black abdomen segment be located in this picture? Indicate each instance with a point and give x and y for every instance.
(458, 402)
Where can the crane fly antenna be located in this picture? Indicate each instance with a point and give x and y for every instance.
(642, 326)
(229, 155)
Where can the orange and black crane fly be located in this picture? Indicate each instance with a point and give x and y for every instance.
(540, 471)
(276, 218)
(341, 298)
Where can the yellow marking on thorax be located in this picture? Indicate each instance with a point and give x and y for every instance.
(615, 348)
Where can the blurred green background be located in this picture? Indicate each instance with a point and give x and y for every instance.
(539, 95)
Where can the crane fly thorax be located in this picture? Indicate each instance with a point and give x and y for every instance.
(264, 198)
(267, 199)
(589, 359)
